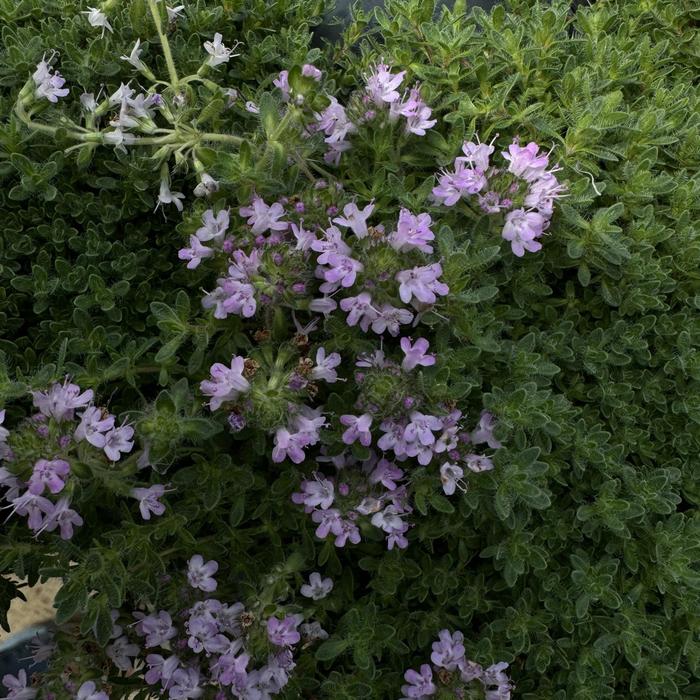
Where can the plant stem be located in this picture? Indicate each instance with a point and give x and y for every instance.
(155, 12)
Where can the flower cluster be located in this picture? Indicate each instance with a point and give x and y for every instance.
(380, 279)
(524, 188)
(379, 94)
(382, 92)
(67, 436)
(210, 644)
(453, 672)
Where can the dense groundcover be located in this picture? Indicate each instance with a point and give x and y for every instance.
(559, 384)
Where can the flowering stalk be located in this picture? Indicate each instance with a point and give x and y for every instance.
(165, 45)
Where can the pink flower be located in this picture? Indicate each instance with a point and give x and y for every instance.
(526, 161)
(390, 318)
(61, 400)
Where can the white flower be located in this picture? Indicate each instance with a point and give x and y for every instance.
(251, 107)
(218, 53)
(119, 139)
(207, 186)
(121, 95)
(317, 588)
(167, 197)
(134, 56)
(97, 18)
(87, 99)
(174, 12)
(451, 477)
(232, 95)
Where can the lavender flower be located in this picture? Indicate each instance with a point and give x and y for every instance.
(226, 384)
(121, 651)
(412, 232)
(148, 500)
(48, 84)
(195, 253)
(94, 423)
(417, 113)
(309, 70)
(381, 84)
(283, 632)
(319, 493)
(118, 440)
(484, 431)
(263, 217)
(358, 428)
(420, 685)
(359, 310)
(88, 691)
(355, 218)
(421, 283)
(18, 686)
(478, 463)
(451, 477)
(199, 574)
(390, 319)
(526, 161)
(61, 400)
(48, 474)
(63, 517)
(214, 226)
(448, 651)
(317, 588)
(415, 354)
(522, 228)
(289, 445)
(325, 366)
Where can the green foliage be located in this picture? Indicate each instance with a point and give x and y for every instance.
(576, 558)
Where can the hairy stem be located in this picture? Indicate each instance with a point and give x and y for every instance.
(155, 12)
